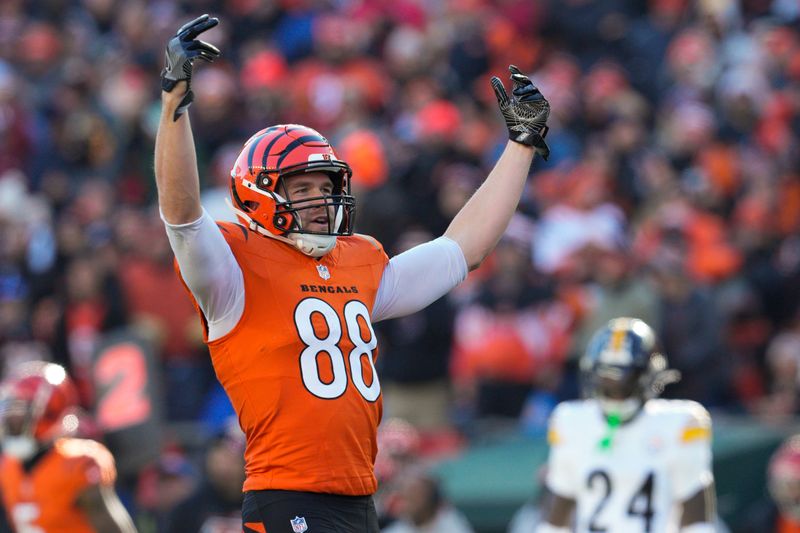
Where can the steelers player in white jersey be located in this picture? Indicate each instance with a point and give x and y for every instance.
(622, 460)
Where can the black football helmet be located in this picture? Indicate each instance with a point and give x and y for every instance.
(623, 367)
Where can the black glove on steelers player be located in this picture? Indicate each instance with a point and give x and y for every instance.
(181, 52)
(525, 112)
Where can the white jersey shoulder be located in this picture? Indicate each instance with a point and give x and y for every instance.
(679, 410)
(633, 476)
(571, 421)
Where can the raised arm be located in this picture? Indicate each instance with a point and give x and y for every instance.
(175, 160)
(206, 262)
(407, 284)
(482, 221)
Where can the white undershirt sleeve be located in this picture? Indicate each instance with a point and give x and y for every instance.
(418, 277)
(211, 272)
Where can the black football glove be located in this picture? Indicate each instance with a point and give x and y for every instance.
(181, 52)
(525, 112)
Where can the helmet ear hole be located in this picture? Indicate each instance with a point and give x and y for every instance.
(283, 221)
(258, 191)
(264, 180)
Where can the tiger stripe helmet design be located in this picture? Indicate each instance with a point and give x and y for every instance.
(261, 201)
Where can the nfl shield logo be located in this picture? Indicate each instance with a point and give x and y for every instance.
(299, 524)
(324, 273)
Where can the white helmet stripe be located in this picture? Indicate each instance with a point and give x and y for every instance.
(252, 186)
(337, 221)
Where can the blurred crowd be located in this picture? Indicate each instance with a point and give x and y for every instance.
(672, 192)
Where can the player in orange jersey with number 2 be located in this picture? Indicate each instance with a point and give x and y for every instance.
(288, 297)
(50, 482)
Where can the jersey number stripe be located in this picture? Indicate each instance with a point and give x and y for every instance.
(329, 344)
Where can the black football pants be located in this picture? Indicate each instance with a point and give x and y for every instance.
(286, 511)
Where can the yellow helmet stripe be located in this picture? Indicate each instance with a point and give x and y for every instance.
(617, 337)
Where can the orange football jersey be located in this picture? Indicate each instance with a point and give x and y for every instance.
(299, 365)
(44, 498)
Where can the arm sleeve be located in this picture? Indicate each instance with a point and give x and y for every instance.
(210, 270)
(418, 277)
(692, 468)
(560, 475)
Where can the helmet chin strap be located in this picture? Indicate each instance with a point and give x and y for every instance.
(311, 245)
(317, 245)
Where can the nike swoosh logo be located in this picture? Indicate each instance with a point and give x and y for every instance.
(168, 62)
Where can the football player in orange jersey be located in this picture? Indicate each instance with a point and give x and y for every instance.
(50, 482)
(289, 296)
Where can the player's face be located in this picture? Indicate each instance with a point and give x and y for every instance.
(614, 389)
(615, 384)
(617, 390)
(311, 185)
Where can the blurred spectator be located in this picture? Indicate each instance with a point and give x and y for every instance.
(616, 288)
(15, 139)
(423, 507)
(152, 291)
(415, 357)
(511, 336)
(583, 217)
(215, 505)
(690, 332)
(168, 483)
(93, 306)
(399, 447)
(160, 312)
